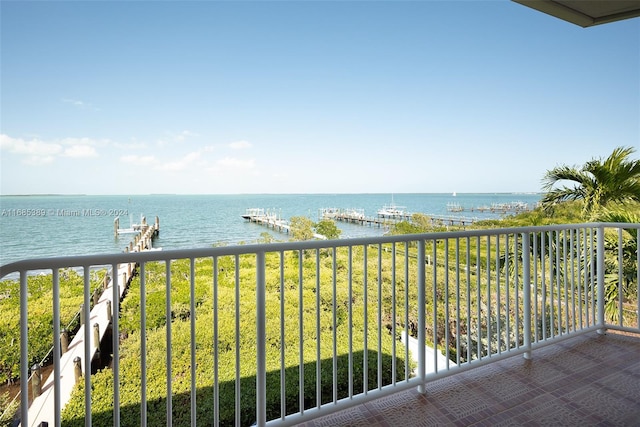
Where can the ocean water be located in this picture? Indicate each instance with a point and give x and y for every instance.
(45, 226)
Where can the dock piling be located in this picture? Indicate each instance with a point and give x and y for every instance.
(96, 335)
(64, 341)
(36, 380)
(77, 368)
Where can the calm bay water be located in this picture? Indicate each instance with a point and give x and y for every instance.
(44, 226)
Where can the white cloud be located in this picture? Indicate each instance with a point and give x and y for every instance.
(172, 137)
(35, 151)
(181, 164)
(79, 151)
(240, 145)
(234, 164)
(185, 134)
(139, 160)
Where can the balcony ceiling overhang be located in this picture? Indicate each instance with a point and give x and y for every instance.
(586, 13)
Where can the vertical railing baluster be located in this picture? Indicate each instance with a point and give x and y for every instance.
(301, 332)
(318, 332)
(478, 299)
(468, 277)
(584, 271)
(261, 342)
(421, 316)
(526, 294)
(216, 347)
(489, 329)
(457, 267)
(192, 319)
(283, 391)
(572, 264)
(406, 309)
(24, 348)
(88, 347)
(434, 298)
(516, 289)
(620, 276)
(334, 309)
(168, 322)
(350, 319)
(446, 301)
(115, 330)
(365, 350)
(600, 279)
(379, 317)
(558, 283)
(393, 313)
(143, 345)
(507, 285)
(565, 262)
(543, 291)
(57, 409)
(579, 279)
(536, 320)
(594, 280)
(238, 406)
(498, 299)
(553, 281)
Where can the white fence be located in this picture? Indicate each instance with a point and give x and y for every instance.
(282, 333)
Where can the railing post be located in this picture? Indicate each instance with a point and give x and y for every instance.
(422, 278)
(600, 277)
(24, 349)
(526, 290)
(261, 364)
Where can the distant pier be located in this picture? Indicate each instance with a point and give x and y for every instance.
(501, 208)
(355, 216)
(266, 218)
(144, 234)
(271, 220)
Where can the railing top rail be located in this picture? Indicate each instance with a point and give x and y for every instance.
(204, 252)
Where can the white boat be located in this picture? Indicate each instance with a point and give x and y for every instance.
(391, 211)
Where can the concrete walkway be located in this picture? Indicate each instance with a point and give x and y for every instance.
(42, 409)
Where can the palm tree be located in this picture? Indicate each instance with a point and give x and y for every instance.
(598, 183)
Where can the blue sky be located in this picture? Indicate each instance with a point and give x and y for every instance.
(306, 97)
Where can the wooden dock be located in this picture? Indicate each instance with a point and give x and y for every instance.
(271, 220)
(500, 208)
(266, 218)
(356, 216)
(73, 361)
(445, 220)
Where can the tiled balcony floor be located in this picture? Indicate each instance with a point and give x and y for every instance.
(583, 381)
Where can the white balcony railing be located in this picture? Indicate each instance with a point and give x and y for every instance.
(279, 334)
